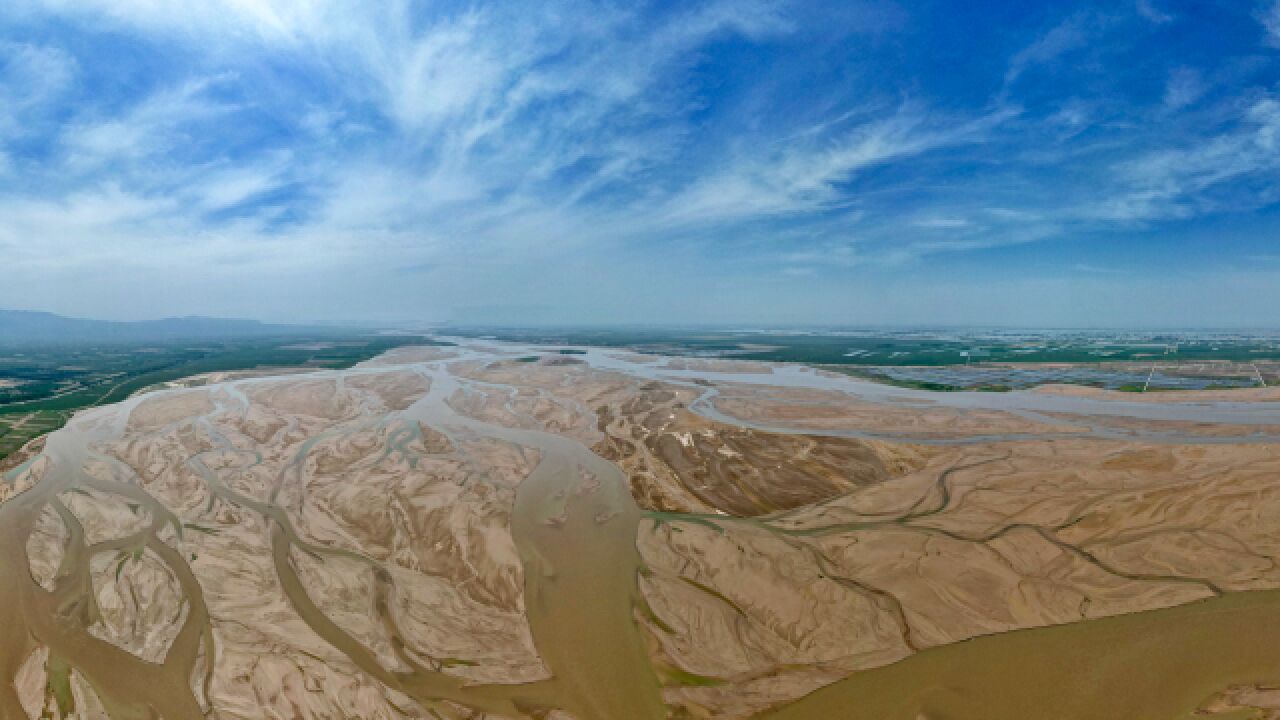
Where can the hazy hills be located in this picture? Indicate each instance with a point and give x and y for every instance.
(22, 327)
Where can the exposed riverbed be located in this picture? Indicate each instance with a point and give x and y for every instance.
(575, 524)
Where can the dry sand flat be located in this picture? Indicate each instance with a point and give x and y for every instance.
(449, 532)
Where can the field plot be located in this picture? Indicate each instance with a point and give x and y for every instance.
(17, 430)
(1127, 376)
(915, 347)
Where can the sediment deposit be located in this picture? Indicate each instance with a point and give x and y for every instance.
(489, 531)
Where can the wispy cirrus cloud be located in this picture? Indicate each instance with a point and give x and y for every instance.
(797, 177)
(32, 77)
(1071, 33)
(587, 155)
(1183, 181)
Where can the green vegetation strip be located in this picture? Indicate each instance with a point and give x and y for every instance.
(60, 380)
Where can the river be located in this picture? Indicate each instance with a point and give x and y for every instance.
(580, 573)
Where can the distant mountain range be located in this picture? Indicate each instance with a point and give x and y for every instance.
(21, 327)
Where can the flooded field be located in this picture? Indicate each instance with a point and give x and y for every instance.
(451, 531)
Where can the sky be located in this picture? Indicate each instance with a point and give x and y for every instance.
(737, 162)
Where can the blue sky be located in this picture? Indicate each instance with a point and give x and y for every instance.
(1104, 164)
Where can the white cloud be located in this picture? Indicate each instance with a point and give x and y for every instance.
(840, 254)
(803, 176)
(1184, 87)
(1096, 269)
(461, 168)
(82, 227)
(32, 78)
(1148, 9)
(1064, 37)
(941, 223)
(154, 125)
(444, 73)
(504, 145)
(1270, 19)
(1177, 182)
(218, 20)
(235, 185)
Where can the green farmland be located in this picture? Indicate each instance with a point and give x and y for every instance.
(41, 387)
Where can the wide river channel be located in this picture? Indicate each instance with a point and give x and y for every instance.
(581, 579)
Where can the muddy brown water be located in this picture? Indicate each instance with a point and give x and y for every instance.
(1155, 665)
(581, 565)
(578, 550)
(128, 686)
